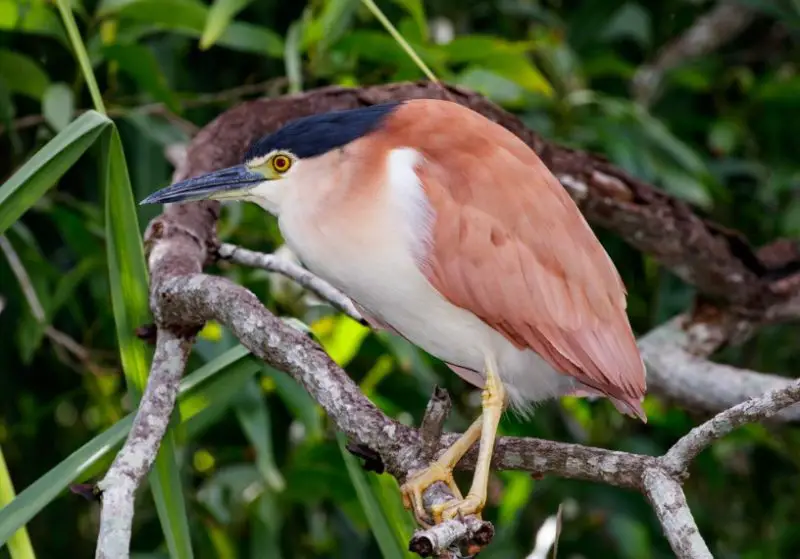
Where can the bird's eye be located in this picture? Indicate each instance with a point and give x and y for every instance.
(281, 163)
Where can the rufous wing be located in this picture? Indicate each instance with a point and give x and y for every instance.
(510, 245)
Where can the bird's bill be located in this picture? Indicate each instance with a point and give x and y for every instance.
(230, 183)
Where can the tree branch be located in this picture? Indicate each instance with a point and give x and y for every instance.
(709, 32)
(134, 460)
(690, 445)
(303, 277)
(669, 503)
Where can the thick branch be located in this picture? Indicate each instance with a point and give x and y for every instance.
(695, 382)
(134, 460)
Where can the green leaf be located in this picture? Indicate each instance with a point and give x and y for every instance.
(37, 18)
(253, 416)
(200, 387)
(219, 17)
(139, 63)
(416, 10)
(19, 545)
(58, 106)
(127, 273)
(188, 17)
(22, 74)
(298, 400)
(46, 167)
(390, 545)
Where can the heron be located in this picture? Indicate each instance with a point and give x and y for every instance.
(445, 228)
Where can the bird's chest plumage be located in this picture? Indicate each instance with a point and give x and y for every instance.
(371, 252)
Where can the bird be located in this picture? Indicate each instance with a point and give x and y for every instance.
(445, 228)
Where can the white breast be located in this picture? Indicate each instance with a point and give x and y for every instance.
(373, 259)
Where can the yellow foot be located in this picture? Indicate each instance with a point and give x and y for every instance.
(416, 485)
(454, 509)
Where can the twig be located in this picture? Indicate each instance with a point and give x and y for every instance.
(721, 24)
(37, 310)
(669, 503)
(136, 457)
(303, 277)
(690, 445)
(433, 422)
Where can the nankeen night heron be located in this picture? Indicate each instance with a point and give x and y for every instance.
(448, 230)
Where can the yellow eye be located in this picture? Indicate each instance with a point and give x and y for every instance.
(281, 163)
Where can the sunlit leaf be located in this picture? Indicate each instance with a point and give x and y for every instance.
(35, 17)
(188, 17)
(47, 166)
(219, 17)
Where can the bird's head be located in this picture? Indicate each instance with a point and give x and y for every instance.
(275, 163)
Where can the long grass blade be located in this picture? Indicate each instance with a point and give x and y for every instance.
(33, 179)
(379, 523)
(381, 17)
(19, 544)
(128, 280)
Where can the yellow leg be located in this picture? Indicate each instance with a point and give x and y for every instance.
(493, 403)
(440, 470)
(485, 427)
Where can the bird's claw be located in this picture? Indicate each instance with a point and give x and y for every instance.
(457, 508)
(416, 485)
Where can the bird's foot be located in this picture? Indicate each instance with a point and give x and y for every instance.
(472, 504)
(416, 485)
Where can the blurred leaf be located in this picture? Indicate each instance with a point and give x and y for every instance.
(517, 493)
(46, 167)
(219, 17)
(299, 402)
(292, 57)
(416, 10)
(330, 25)
(340, 336)
(58, 106)
(189, 17)
(630, 22)
(19, 544)
(497, 88)
(22, 74)
(200, 386)
(139, 63)
(387, 539)
(34, 16)
(253, 416)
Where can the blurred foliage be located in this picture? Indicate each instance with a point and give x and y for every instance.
(261, 470)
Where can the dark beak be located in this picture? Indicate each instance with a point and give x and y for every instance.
(225, 183)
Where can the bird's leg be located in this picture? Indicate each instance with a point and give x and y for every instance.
(440, 470)
(493, 402)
